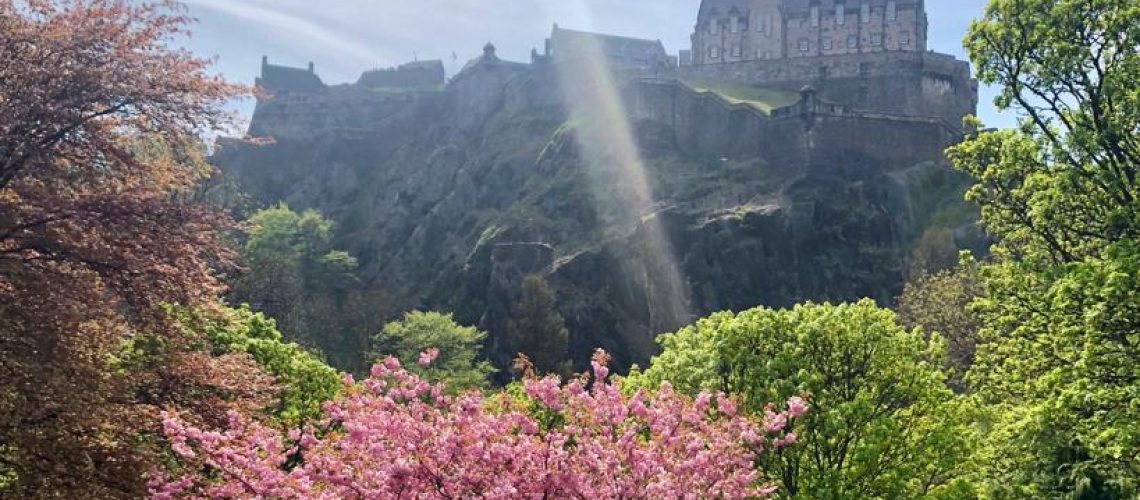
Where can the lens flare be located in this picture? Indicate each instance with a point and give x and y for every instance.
(591, 89)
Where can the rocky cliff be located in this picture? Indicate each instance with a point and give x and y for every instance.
(449, 198)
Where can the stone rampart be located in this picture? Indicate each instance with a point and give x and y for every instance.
(419, 74)
(905, 83)
(810, 132)
(341, 108)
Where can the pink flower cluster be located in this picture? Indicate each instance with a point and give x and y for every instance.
(395, 435)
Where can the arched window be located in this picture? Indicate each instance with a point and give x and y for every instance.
(840, 14)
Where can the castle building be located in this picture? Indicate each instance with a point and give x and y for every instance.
(730, 31)
(284, 79)
(566, 45)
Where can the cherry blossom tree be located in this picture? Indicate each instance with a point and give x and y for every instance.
(395, 435)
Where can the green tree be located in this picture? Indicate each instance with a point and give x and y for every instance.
(537, 330)
(1060, 338)
(882, 423)
(295, 276)
(940, 303)
(458, 364)
(305, 381)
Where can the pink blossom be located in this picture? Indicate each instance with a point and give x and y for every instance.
(396, 435)
(428, 356)
(796, 407)
(775, 422)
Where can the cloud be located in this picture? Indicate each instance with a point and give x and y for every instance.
(289, 25)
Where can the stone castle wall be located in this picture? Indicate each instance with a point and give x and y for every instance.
(344, 109)
(420, 74)
(908, 83)
(809, 133)
(884, 107)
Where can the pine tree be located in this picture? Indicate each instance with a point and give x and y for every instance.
(537, 330)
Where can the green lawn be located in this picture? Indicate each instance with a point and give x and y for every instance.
(761, 98)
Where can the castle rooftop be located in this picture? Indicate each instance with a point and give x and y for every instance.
(278, 78)
(565, 44)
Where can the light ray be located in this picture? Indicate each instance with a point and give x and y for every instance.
(591, 92)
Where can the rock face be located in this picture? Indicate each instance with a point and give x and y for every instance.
(449, 199)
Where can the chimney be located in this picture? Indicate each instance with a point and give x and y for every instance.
(312, 67)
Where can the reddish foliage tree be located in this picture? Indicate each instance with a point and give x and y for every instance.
(98, 150)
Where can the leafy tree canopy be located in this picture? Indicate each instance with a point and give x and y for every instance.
(457, 362)
(939, 303)
(1060, 338)
(882, 422)
(294, 276)
(305, 381)
(99, 117)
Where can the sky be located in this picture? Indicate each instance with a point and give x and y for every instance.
(346, 37)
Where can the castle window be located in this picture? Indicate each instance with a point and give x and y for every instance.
(892, 11)
(761, 24)
(714, 52)
(827, 44)
(734, 24)
(805, 45)
(840, 14)
(714, 27)
(865, 12)
(904, 39)
(852, 41)
(815, 16)
(735, 51)
(876, 39)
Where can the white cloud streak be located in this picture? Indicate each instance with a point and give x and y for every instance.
(293, 26)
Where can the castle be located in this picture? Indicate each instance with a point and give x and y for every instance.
(730, 31)
(865, 58)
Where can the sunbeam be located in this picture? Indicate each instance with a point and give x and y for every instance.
(591, 89)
